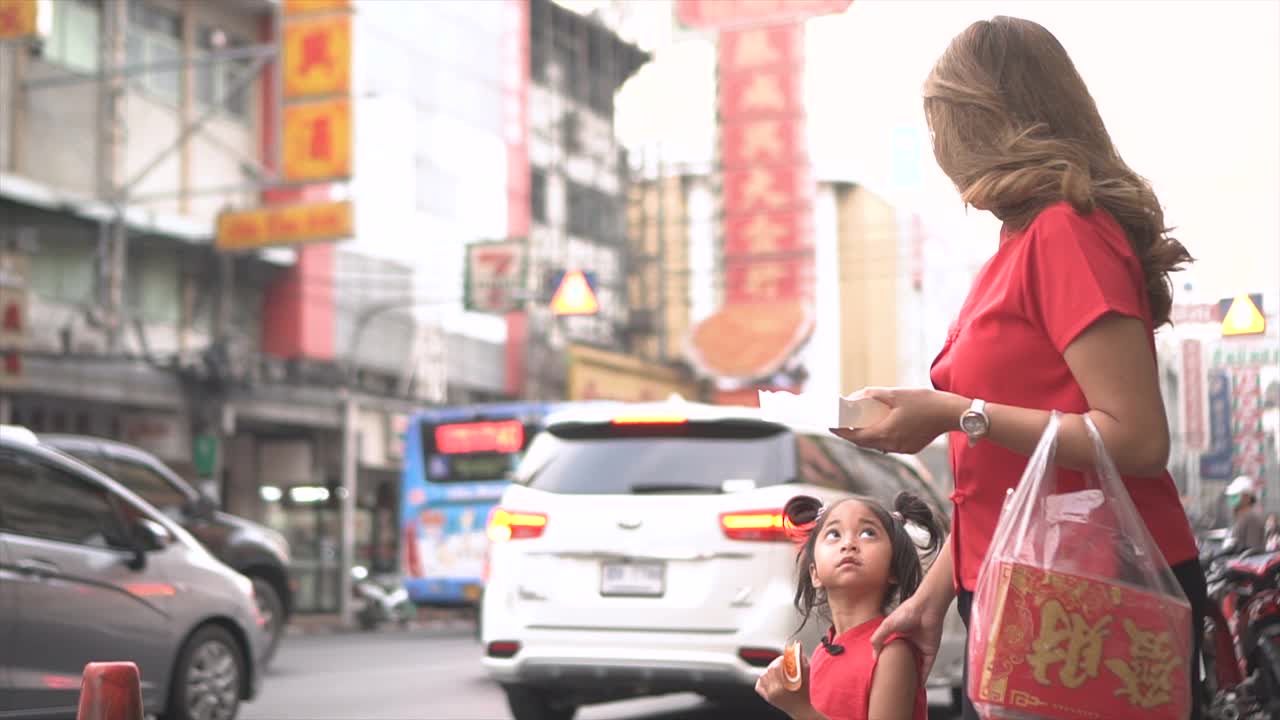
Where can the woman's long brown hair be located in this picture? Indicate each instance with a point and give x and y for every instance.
(1016, 130)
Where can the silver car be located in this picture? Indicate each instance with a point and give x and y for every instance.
(91, 572)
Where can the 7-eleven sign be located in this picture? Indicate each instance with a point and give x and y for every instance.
(495, 276)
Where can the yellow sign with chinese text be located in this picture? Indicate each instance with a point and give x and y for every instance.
(311, 7)
(284, 225)
(317, 141)
(20, 18)
(317, 56)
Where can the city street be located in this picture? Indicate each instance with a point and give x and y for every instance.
(415, 675)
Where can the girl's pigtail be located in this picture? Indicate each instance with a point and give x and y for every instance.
(910, 508)
(800, 519)
(907, 568)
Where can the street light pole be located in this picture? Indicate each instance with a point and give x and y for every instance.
(347, 507)
(351, 449)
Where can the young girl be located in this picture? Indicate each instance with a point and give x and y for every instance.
(856, 563)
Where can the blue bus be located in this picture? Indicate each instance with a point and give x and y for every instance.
(457, 463)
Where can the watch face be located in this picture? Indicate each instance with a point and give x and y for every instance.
(972, 424)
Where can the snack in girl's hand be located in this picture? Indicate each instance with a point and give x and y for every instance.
(791, 665)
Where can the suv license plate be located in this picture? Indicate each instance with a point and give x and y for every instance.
(635, 579)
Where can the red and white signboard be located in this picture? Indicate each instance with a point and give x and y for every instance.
(495, 276)
(1246, 422)
(1193, 396)
(767, 189)
(724, 14)
(1195, 313)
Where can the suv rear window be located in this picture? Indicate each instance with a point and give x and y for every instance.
(692, 457)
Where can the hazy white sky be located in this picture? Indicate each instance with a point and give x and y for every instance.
(1190, 90)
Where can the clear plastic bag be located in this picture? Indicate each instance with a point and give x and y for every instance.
(1076, 613)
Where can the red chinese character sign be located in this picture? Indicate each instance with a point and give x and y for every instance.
(725, 14)
(21, 18)
(317, 56)
(317, 140)
(767, 187)
(316, 80)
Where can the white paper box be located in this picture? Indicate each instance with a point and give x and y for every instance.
(812, 409)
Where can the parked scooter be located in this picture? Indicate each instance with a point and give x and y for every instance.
(1242, 635)
(380, 600)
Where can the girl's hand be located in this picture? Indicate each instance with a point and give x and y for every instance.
(772, 687)
(917, 416)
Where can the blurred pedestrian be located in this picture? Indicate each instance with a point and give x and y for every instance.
(1248, 528)
(1061, 317)
(1273, 532)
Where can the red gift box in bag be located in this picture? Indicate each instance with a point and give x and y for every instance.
(1077, 615)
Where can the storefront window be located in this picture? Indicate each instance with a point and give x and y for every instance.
(214, 81)
(73, 40)
(155, 35)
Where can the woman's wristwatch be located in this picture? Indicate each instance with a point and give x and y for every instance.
(974, 422)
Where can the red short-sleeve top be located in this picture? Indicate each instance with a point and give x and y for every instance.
(1037, 293)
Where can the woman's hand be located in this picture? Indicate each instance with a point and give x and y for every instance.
(772, 687)
(918, 619)
(917, 416)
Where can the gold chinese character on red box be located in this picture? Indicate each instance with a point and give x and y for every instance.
(1073, 647)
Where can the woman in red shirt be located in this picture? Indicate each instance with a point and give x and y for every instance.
(1061, 317)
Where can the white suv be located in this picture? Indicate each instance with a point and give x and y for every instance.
(640, 551)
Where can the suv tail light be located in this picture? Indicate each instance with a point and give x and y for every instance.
(503, 648)
(758, 657)
(754, 525)
(507, 525)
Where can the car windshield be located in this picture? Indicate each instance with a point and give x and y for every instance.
(660, 458)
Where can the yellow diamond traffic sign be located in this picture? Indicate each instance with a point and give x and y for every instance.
(575, 296)
(1244, 317)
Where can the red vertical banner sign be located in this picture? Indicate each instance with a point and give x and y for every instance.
(515, 123)
(767, 199)
(766, 191)
(767, 186)
(1194, 433)
(1246, 422)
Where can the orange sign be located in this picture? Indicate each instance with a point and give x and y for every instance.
(284, 225)
(18, 18)
(317, 56)
(1064, 646)
(317, 141)
(722, 14)
(310, 7)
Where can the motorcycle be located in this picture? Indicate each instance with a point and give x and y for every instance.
(380, 599)
(1241, 646)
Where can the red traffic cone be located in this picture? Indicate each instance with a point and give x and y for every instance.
(110, 691)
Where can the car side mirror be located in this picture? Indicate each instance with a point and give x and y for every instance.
(203, 507)
(148, 536)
